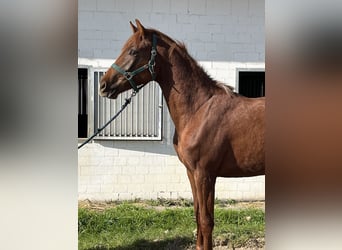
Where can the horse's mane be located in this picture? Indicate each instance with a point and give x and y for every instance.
(183, 52)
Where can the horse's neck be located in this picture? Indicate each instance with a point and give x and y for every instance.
(185, 88)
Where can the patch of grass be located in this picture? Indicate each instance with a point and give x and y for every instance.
(239, 226)
(132, 226)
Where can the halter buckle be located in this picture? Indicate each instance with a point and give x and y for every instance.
(128, 75)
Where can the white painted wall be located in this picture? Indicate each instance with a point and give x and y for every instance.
(223, 35)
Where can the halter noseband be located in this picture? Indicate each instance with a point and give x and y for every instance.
(150, 66)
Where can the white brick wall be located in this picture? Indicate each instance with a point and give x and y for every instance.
(223, 35)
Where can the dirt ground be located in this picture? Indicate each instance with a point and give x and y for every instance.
(102, 205)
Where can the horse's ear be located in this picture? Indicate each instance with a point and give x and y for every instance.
(134, 29)
(141, 28)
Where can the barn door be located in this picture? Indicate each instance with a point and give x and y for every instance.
(82, 103)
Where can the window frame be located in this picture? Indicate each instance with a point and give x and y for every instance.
(91, 111)
(238, 70)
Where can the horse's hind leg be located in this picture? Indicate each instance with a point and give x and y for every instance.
(205, 196)
(199, 241)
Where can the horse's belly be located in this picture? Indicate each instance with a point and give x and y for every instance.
(242, 164)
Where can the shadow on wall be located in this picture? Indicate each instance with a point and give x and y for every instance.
(153, 147)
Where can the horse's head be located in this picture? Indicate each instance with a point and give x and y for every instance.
(135, 65)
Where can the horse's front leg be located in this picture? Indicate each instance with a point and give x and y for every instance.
(199, 241)
(205, 196)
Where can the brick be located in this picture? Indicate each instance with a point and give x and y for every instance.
(109, 197)
(100, 171)
(135, 161)
(197, 7)
(206, 65)
(142, 6)
(204, 36)
(113, 197)
(159, 187)
(197, 46)
(185, 195)
(248, 196)
(218, 7)
(169, 170)
(125, 196)
(105, 188)
(151, 196)
(87, 43)
(97, 53)
(109, 179)
(93, 189)
(186, 18)
(108, 151)
(161, 6)
(246, 57)
(141, 169)
(240, 7)
(155, 169)
(257, 8)
(124, 179)
(95, 180)
(181, 170)
(120, 161)
(147, 187)
(130, 153)
(217, 37)
(84, 180)
(86, 171)
(89, 34)
(107, 161)
(202, 28)
(179, 7)
(134, 188)
(174, 195)
(128, 170)
(105, 5)
(86, 5)
(138, 178)
(244, 187)
(82, 188)
(120, 188)
(236, 195)
(124, 6)
(114, 170)
(220, 65)
(163, 195)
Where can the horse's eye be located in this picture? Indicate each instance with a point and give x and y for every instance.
(133, 52)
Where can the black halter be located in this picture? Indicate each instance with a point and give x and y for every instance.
(150, 66)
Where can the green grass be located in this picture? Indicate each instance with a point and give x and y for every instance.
(135, 226)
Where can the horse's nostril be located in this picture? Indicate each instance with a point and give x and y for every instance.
(103, 86)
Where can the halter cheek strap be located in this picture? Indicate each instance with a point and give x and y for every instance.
(150, 66)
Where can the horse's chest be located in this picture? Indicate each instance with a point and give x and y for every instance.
(192, 152)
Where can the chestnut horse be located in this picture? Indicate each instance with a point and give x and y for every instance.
(218, 133)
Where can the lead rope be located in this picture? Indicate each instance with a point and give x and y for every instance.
(128, 101)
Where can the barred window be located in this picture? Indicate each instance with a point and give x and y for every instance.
(141, 120)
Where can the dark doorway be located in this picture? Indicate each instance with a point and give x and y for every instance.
(82, 103)
(252, 83)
